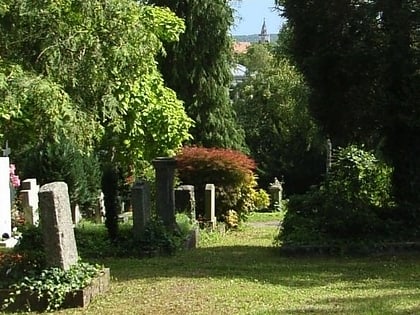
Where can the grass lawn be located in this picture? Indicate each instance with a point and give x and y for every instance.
(241, 273)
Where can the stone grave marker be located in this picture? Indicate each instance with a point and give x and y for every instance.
(165, 193)
(57, 226)
(210, 204)
(185, 200)
(29, 198)
(276, 191)
(100, 209)
(140, 201)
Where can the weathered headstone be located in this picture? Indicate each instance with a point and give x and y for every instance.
(210, 204)
(276, 191)
(57, 226)
(5, 204)
(185, 200)
(29, 198)
(76, 215)
(140, 201)
(165, 193)
(100, 209)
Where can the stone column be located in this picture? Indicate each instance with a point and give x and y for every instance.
(165, 194)
(140, 201)
(185, 200)
(276, 191)
(57, 226)
(5, 204)
(210, 204)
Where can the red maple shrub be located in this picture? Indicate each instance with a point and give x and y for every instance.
(230, 171)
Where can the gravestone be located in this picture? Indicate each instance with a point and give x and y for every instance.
(5, 203)
(165, 193)
(100, 209)
(29, 199)
(210, 204)
(185, 200)
(276, 191)
(57, 226)
(76, 215)
(140, 201)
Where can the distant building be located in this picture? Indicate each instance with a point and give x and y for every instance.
(264, 35)
(241, 47)
(238, 73)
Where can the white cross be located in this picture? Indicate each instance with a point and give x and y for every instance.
(6, 150)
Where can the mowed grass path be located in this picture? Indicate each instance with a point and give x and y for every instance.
(242, 273)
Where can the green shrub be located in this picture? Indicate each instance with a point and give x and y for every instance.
(261, 200)
(351, 204)
(49, 162)
(229, 170)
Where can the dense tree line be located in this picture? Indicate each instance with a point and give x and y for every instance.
(361, 61)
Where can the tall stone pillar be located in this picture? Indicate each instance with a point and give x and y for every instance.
(140, 201)
(165, 193)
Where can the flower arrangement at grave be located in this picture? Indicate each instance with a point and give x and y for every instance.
(18, 218)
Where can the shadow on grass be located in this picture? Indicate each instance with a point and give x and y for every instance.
(357, 305)
(264, 264)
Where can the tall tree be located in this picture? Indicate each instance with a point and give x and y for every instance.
(272, 104)
(338, 47)
(361, 59)
(198, 68)
(401, 22)
(95, 59)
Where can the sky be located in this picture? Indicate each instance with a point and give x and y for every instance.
(250, 15)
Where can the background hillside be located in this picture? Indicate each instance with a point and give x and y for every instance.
(253, 38)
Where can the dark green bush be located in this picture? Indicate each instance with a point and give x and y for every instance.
(49, 162)
(352, 203)
(229, 170)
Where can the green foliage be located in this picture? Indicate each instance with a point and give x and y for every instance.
(157, 237)
(110, 190)
(49, 162)
(261, 200)
(31, 246)
(272, 106)
(198, 68)
(91, 64)
(34, 110)
(229, 170)
(353, 203)
(338, 46)
(56, 283)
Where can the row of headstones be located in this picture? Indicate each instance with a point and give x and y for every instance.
(169, 199)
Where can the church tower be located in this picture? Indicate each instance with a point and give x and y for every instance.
(264, 36)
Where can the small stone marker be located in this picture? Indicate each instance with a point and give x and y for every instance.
(100, 209)
(185, 200)
(140, 201)
(76, 214)
(57, 227)
(29, 198)
(276, 191)
(165, 193)
(210, 204)
(6, 151)
(5, 204)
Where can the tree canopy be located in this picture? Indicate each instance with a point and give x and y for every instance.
(198, 68)
(272, 105)
(91, 64)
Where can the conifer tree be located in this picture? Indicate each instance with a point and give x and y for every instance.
(198, 69)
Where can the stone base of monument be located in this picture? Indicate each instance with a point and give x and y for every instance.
(8, 243)
(79, 298)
